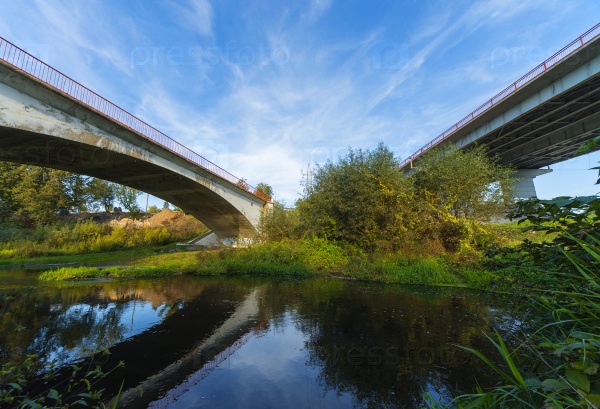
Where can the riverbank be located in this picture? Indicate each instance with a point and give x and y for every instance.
(67, 239)
(304, 257)
(89, 249)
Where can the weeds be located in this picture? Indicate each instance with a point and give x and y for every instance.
(559, 352)
(22, 386)
(86, 237)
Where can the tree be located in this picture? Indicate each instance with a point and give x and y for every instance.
(363, 199)
(102, 194)
(76, 188)
(127, 196)
(153, 209)
(9, 177)
(466, 183)
(278, 223)
(264, 189)
(165, 205)
(41, 192)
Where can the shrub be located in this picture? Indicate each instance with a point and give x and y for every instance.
(320, 254)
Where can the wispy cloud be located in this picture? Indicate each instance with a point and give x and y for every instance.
(69, 35)
(318, 7)
(196, 15)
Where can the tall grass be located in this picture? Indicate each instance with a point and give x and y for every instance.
(559, 352)
(320, 256)
(84, 237)
(301, 257)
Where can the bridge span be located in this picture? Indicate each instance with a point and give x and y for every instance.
(538, 120)
(48, 119)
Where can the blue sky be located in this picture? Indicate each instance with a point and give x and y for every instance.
(265, 88)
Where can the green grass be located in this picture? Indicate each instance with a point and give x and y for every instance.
(301, 257)
(133, 265)
(512, 234)
(136, 253)
(433, 270)
(86, 237)
(114, 257)
(70, 273)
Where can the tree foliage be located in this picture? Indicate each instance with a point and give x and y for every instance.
(264, 189)
(362, 199)
(590, 146)
(467, 183)
(40, 192)
(569, 222)
(102, 194)
(127, 196)
(8, 179)
(153, 209)
(279, 223)
(35, 195)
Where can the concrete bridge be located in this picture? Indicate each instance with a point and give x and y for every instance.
(48, 119)
(538, 120)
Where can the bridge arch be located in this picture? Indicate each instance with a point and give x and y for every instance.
(43, 126)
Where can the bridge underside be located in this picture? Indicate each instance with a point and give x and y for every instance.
(26, 147)
(550, 133)
(42, 126)
(545, 121)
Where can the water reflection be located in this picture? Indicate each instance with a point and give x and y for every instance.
(257, 342)
(66, 322)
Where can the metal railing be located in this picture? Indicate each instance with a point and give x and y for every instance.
(22, 60)
(561, 55)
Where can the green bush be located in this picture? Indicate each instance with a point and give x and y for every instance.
(321, 254)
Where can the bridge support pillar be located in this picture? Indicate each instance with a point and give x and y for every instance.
(523, 187)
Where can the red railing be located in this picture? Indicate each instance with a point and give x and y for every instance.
(561, 55)
(31, 65)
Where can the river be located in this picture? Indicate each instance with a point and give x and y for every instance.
(254, 342)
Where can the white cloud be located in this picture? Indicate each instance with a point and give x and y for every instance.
(318, 8)
(196, 15)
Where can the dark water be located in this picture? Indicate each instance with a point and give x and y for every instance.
(250, 342)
